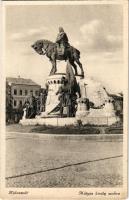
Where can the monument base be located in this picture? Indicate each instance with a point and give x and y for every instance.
(56, 121)
(102, 114)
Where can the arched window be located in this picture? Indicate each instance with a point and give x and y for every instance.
(31, 92)
(36, 93)
(20, 103)
(15, 92)
(15, 103)
(26, 92)
(20, 92)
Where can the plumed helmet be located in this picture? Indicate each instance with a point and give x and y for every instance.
(61, 29)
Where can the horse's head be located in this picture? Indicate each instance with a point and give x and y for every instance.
(38, 47)
(41, 46)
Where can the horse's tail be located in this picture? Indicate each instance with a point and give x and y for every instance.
(76, 53)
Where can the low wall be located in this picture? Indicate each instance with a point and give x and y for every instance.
(100, 120)
(69, 121)
(49, 121)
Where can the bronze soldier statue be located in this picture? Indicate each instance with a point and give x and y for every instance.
(68, 92)
(67, 98)
(64, 97)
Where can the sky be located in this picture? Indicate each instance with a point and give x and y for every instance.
(96, 30)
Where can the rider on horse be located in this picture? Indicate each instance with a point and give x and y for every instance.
(61, 50)
(62, 38)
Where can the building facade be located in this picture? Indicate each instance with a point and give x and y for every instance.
(21, 90)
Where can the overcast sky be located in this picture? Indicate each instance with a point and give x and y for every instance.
(96, 30)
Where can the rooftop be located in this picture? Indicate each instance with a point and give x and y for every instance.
(20, 81)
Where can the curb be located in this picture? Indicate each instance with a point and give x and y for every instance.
(106, 137)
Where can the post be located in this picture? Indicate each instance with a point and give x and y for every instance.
(24, 114)
(57, 120)
(85, 90)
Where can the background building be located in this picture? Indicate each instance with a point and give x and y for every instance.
(21, 89)
(18, 91)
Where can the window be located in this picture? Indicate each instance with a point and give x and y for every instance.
(20, 102)
(20, 92)
(31, 91)
(15, 103)
(15, 92)
(26, 92)
(36, 93)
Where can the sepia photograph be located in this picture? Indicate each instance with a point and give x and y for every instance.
(64, 131)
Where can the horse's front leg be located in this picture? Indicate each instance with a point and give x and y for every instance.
(54, 66)
(53, 70)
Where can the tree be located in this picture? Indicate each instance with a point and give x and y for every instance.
(9, 103)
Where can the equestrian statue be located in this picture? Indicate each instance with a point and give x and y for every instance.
(60, 50)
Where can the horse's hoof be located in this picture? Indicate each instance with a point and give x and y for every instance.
(50, 74)
(82, 77)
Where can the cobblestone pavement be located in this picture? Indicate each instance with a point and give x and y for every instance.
(38, 160)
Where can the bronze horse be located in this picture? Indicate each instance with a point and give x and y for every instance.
(48, 48)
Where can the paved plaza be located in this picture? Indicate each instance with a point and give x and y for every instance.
(46, 160)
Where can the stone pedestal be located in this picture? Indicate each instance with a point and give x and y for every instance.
(82, 109)
(53, 82)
